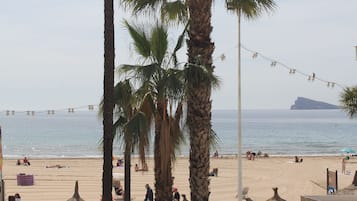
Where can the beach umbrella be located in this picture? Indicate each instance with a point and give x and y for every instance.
(75, 196)
(276, 196)
(348, 150)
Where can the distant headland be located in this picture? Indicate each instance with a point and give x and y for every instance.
(302, 103)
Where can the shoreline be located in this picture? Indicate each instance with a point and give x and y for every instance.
(223, 156)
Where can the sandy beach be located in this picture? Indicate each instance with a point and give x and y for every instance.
(260, 175)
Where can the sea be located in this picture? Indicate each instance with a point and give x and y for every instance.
(276, 132)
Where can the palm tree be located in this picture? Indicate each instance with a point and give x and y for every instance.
(250, 9)
(200, 50)
(165, 86)
(132, 126)
(349, 100)
(108, 85)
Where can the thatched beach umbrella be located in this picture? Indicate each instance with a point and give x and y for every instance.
(75, 196)
(276, 196)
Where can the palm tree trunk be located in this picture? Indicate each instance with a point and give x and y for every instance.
(163, 175)
(127, 173)
(200, 49)
(108, 105)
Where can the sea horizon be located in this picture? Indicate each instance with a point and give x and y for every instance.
(276, 132)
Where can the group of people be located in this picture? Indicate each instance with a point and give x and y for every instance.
(149, 196)
(298, 160)
(250, 155)
(25, 162)
(15, 197)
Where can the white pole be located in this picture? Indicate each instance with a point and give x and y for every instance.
(2, 193)
(356, 52)
(240, 197)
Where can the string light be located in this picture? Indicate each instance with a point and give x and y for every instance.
(49, 112)
(255, 55)
(273, 63)
(222, 57)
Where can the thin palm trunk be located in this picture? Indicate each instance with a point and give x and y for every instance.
(127, 173)
(108, 103)
(200, 49)
(163, 175)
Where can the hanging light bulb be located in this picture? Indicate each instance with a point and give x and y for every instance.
(255, 55)
(332, 84)
(13, 112)
(222, 57)
(328, 84)
(309, 78)
(7, 112)
(273, 63)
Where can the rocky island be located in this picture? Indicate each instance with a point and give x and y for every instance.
(302, 103)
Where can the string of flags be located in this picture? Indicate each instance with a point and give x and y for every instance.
(274, 63)
(51, 112)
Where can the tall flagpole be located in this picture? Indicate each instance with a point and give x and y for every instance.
(240, 197)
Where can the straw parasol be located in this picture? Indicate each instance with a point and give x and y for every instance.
(75, 196)
(276, 196)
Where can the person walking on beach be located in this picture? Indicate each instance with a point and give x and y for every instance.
(149, 196)
(176, 195)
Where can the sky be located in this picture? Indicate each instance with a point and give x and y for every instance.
(51, 53)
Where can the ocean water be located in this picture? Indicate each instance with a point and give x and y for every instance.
(276, 132)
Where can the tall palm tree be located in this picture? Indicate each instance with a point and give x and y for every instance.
(108, 104)
(132, 125)
(165, 86)
(200, 50)
(250, 9)
(349, 101)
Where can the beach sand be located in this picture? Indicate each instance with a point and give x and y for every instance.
(260, 175)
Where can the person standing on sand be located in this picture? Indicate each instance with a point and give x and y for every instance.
(149, 196)
(343, 166)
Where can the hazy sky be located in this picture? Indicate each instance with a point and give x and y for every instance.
(51, 53)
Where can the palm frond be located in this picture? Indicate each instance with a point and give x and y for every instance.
(348, 101)
(159, 43)
(148, 108)
(250, 8)
(214, 140)
(137, 135)
(141, 5)
(196, 74)
(143, 73)
(174, 84)
(179, 44)
(140, 40)
(174, 12)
